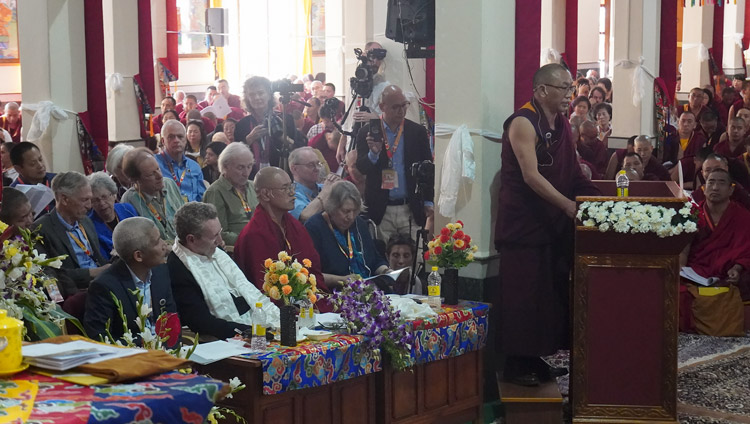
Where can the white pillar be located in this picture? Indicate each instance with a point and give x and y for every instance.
(158, 42)
(553, 30)
(468, 33)
(697, 32)
(121, 56)
(346, 29)
(51, 32)
(635, 32)
(734, 28)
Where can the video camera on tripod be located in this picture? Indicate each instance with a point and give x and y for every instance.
(274, 122)
(329, 108)
(361, 82)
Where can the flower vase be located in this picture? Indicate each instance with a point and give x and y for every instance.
(288, 318)
(450, 286)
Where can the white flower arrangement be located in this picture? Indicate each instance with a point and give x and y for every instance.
(634, 218)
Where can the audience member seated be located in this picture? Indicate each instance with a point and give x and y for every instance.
(710, 128)
(733, 145)
(15, 210)
(695, 104)
(327, 143)
(11, 121)
(232, 193)
(219, 137)
(267, 150)
(211, 164)
(105, 213)
(400, 251)
(189, 104)
(152, 195)
(67, 230)
(686, 142)
(591, 149)
(352, 173)
(721, 249)
(208, 99)
(28, 162)
(175, 165)
(114, 168)
(581, 107)
(140, 268)
(312, 115)
(168, 116)
(325, 123)
(711, 163)
(743, 101)
(728, 97)
(273, 229)
(606, 84)
(179, 98)
(342, 237)
(227, 128)
(233, 100)
(603, 115)
(583, 88)
(633, 166)
(305, 166)
(596, 96)
(9, 172)
(213, 295)
(195, 148)
(167, 103)
(653, 170)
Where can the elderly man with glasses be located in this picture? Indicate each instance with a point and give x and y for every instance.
(309, 196)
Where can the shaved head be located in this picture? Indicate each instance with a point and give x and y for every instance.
(266, 177)
(549, 73)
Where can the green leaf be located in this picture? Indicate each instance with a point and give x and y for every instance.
(38, 328)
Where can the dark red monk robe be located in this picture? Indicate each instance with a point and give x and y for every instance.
(740, 196)
(725, 149)
(535, 240)
(739, 104)
(595, 154)
(715, 250)
(262, 238)
(15, 131)
(722, 109)
(656, 169)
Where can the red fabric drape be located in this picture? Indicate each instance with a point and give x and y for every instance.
(718, 44)
(96, 90)
(571, 36)
(528, 47)
(746, 37)
(429, 95)
(173, 25)
(668, 52)
(146, 50)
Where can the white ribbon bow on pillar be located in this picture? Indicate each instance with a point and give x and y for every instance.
(114, 83)
(42, 113)
(549, 55)
(641, 80)
(702, 50)
(736, 38)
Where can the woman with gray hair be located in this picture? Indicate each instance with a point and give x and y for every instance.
(105, 213)
(233, 194)
(114, 168)
(342, 238)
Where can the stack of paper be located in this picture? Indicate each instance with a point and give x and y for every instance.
(207, 353)
(64, 356)
(690, 274)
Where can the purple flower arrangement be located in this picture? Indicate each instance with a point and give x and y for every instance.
(367, 311)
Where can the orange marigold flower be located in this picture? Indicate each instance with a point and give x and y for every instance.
(459, 244)
(284, 279)
(268, 263)
(286, 289)
(307, 263)
(304, 271)
(312, 298)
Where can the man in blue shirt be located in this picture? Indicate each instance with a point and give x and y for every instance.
(68, 231)
(309, 196)
(185, 172)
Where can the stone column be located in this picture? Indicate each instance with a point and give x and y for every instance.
(734, 28)
(121, 56)
(553, 30)
(635, 35)
(51, 32)
(482, 34)
(697, 32)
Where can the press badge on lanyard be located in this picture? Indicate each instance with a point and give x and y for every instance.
(389, 177)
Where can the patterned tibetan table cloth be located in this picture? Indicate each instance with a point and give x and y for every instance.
(454, 332)
(313, 364)
(167, 398)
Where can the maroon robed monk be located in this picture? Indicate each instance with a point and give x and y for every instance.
(540, 178)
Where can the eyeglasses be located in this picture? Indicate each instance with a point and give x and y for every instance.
(311, 165)
(567, 88)
(290, 188)
(403, 106)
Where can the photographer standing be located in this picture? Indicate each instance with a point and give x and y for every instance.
(261, 129)
(386, 151)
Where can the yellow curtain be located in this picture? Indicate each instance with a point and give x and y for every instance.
(220, 63)
(307, 58)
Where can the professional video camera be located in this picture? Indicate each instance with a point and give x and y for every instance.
(329, 108)
(424, 172)
(361, 82)
(273, 122)
(284, 86)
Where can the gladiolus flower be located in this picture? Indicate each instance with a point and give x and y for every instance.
(445, 232)
(307, 263)
(268, 263)
(444, 238)
(438, 250)
(458, 235)
(284, 279)
(459, 244)
(286, 290)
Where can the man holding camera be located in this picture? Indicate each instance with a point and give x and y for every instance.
(386, 150)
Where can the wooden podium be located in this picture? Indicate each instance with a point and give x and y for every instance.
(625, 317)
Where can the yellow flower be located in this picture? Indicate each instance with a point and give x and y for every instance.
(266, 287)
(307, 263)
(267, 278)
(431, 244)
(274, 293)
(451, 226)
(470, 256)
(458, 225)
(11, 252)
(459, 244)
(296, 266)
(280, 266)
(286, 290)
(3, 226)
(268, 263)
(274, 278)
(474, 248)
(301, 278)
(284, 279)
(283, 255)
(304, 271)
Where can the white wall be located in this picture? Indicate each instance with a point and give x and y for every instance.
(588, 33)
(10, 80)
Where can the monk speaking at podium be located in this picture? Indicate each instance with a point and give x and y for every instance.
(540, 179)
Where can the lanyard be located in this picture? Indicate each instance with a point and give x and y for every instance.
(283, 235)
(171, 170)
(153, 210)
(709, 221)
(80, 244)
(20, 181)
(350, 254)
(390, 152)
(245, 206)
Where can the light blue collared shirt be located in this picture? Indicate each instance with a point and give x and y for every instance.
(192, 185)
(84, 260)
(302, 197)
(145, 288)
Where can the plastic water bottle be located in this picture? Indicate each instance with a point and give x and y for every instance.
(623, 182)
(433, 288)
(259, 342)
(306, 315)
